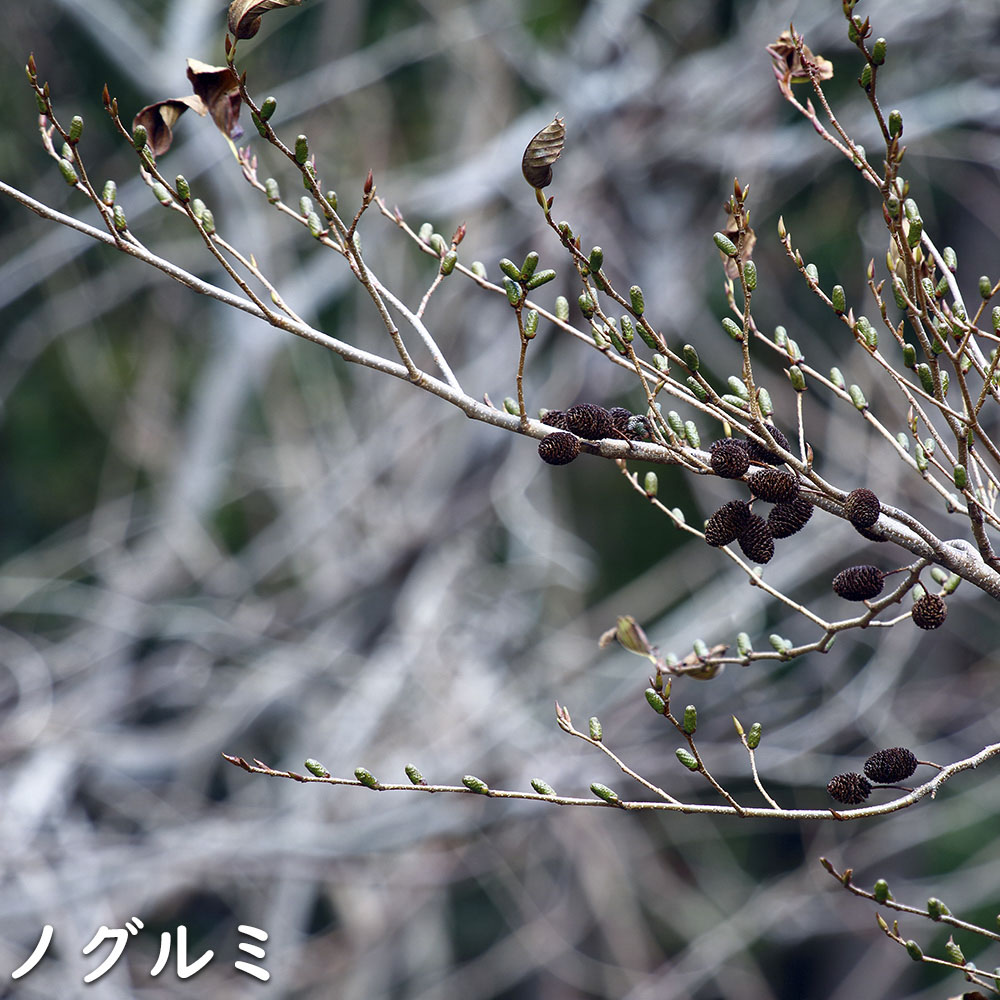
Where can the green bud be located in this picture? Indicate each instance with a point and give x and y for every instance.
(412, 772)
(797, 379)
(753, 737)
(892, 206)
(315, 225)
(839, 300)
(812, 273)
(739, 727)
(675, 422)
(837, 378)
(898, 292)
(301, 149)
(513, 290)
(208, 221)
(306, 205)
(268, 108)
(510, 405)
(627, 328)
(637, 300)
(68, 171)
(656, 703)
(951, 584)
(859, 154)
(542, 787)
(586, 304)
(738, 387)
(651, 484)
(139, 136)
(697, 388)
(777, 642)
(725, 244)
(529, 265)
(75, 129)
(895, 122)
(732, 329)
(109, 193)
(700, 648)
(750, 273)
(743, 644)
(539, 279)
(119, 219)
(954, 952)
(913, 950)
(565, 231)
(926, 378)
(690, 721)
(315, 767)
(649, 340)
(764, 402)
(365, 777)
(438, 244)
(43, 108)
(562, 308)
(909, 356)
(995, 317)
(691, 433)
(596, 729)
(687, 758)
(867, 332)
(67, 152)
(424, 232)
(866, 76)
(530, 319)
(736, 401)
(448, 262)
(878, 51)
(691, 358)
(603, 792)
(596, 260)
(960, 476)
(921, 458)
(950, 258)
(271, 189)
(161, 193)
(985, 287)
(881, 891)
(936, 909)
(475, 784)
(331, 197)
(858, 397)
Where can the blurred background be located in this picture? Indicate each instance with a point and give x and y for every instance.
(219, 539)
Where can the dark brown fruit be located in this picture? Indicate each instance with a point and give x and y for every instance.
(862, 508)
(859, 583)
(929, 612)
(726, 524)
(756, 540)
(620, 418)
(851, 789)
(886, 767)
(729, 459)
(759, 453)
(787, 518)
(555, 418)
(590, 421)
(774, 485)
(558, 448)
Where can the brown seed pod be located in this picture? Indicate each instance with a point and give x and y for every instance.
(774, 486)
(859, 583)
(886, 767)
(590, 421)
(558, 448)
(929, 612)
(555, 418)
(756, 540)
(787, 518)
(543, 150)
(763, 455)
(862, 508)
(727, 523)
(729, 459)
(851, 789)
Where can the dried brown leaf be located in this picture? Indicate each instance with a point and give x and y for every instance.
(543, 150)
(245, 15)
(790, 65)
(159, 119)
(218, 87)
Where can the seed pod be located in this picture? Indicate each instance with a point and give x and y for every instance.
(774, 486)
(756, 540)
(881, 891)
(725, 244)
(851, 789)
(886, 767)
(862, 508)
(413, 773)
(761, 453)
(603, 792)
(542, 787)
(637, 301)
(785, 519)
(543, 150)
(656, 702)
(839, 300)
(753, 737)
(475, 784)
(690, 720)
(558, 448)
(929, 612)
(859, 583)
(687, 759)
(554, 418)
(589, 421)
(596, 729)
(365, 777)
(316, 768)
(729, 459)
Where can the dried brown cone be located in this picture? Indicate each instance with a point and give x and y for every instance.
(886, 767)
(756, 540)
(774, 485)
(859, 583)
(639, 428)
(851, 788)
(729, 459)
(862, 508)
(929, 612)
(555, 418)
(620, 418)
(590, 421)
(558, 448)
(727, 523)
(787, 518)
(760, 453)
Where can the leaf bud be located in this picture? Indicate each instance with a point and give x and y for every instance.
(985, 287)
(954, 952)
(691, 358)
(881, 891)
(119, 219)
(603, 792)
(313, 766)
(513, 290)
(960, 476)
(475, 784)
(743, 644)
(700, 648)
(739, 727)
(687, 758)
(695, 386)
(936, 909)
(750, 274)
(812, 273)
(909, 355)
(530, 320)
(950, 258)
(637, 300)
(75, 129)
(540, 278)
(68, 171)
(315, 225)
(864, 329)
(753, 737)
(866, 76)
(596, 729)
(837, 378)
(691, 433)
(895, 123)
(542, 787)
(596, 260)
(301, 149)
(627, 328)
(738, 387)
(268, 108)
(782, 232)
(675, 422)
(725, 244)
(562, 308)
(839, 300)
(413, 773)
(651, 484)
(690, 721)
(858, 397)
(878, 51)
(109, 193)
(656, 703)
(365, 777)
(527, 268)
(448, 263)
(510, 405)
(913, 950)
(438, 244)
(139, 136)
(208, 221)
(586, 304)
(161, 193)
(650, 341)
(732, 329)
(926, 378)
(797, 379)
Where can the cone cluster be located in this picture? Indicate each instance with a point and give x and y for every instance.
(589, 422)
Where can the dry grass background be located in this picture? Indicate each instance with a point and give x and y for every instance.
(219, 540)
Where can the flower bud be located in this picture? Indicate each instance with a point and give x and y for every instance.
(878, 51)
(656, 703)
(596, 260)
(68, 171)
(732, 329)
(75, 129)
(513, 290)
(858, 397)
(936, 909)
(562, 308)
(895, 123)
(596, 729)
(315, 767)
(750, 274)
(475, 784)
(268, 108)
(743, 644)
(540, 278)
(753, 737)
(301, 149)
(637, 300)
(691, 358)
(725, 244)
(881, 891)
(119, 219)
(603, 792)
(412, 772)
(542, 787)
(687, 759)
(913, 950)
(837, 378)
(651, 484)
(365, 777)
(139, 136)
(690, 721)
(109, 193)
(797, 379)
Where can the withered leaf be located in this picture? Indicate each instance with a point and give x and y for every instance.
(543, 150)
(790, 64)
(218, 87)
(245, 15)
(159, 119)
